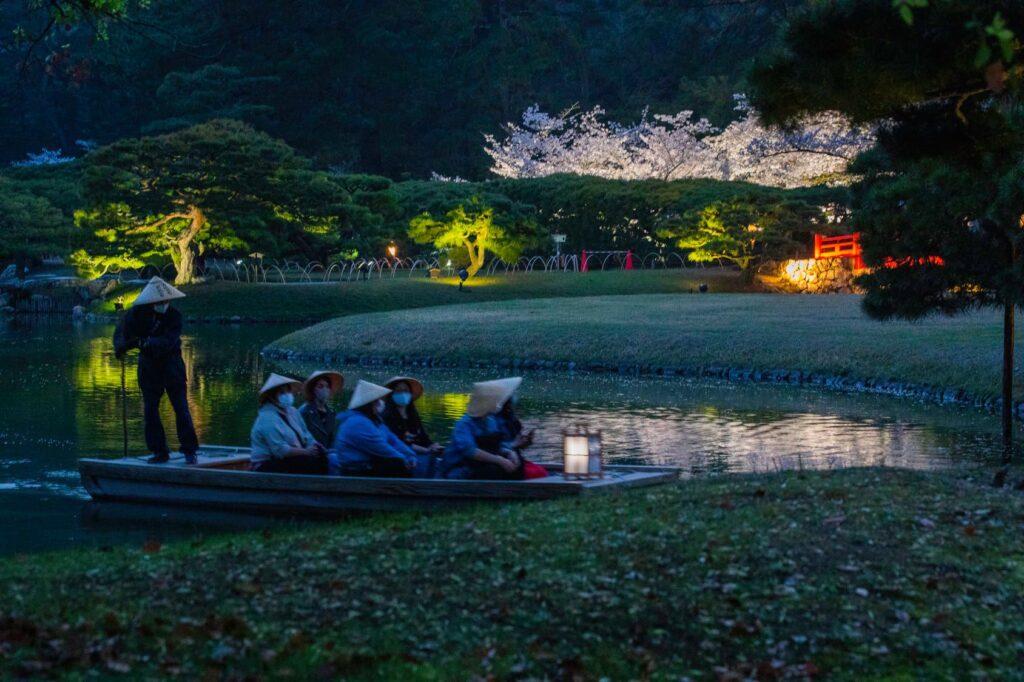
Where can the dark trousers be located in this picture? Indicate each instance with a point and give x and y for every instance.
(156, 439)
(299, 464)
(485, 471)
(386, 467)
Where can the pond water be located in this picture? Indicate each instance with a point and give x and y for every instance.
(60, 386)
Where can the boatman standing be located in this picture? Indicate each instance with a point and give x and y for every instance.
(154, 327)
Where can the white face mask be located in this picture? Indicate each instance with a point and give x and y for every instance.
(286, 399)
(161, 307)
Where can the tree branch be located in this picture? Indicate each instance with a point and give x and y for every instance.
(163, 221)
(801, 150)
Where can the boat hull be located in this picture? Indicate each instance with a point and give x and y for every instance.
(225, 482)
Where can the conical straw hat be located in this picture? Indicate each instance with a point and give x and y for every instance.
(335, 378)
(157, 291)
(276, 381)
(366, 393)
(415, 387)
(488, 396)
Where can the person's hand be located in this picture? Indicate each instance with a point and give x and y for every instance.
(436, 448)
(312, 450)
(507, 465)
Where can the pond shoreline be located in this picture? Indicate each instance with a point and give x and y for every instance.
(776, 376)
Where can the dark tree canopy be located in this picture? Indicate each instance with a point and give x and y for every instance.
(30, 226)
(383, 86)
(861, 58)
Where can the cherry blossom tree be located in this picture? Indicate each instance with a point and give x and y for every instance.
(816, 149)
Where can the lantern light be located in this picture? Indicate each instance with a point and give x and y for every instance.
(392, 249)
(582, 453)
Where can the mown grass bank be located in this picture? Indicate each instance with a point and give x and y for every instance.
(854, 574)
(316, 302)
(810, 334)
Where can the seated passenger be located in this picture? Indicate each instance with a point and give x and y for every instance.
(281, 443)
(319, 417)
(512, 431)
(512, 428)
(479, 448)
(402, 417)
(364, 446)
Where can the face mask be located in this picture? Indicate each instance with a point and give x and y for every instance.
(402, 399)
(323, 394)
(286, 399)
(378, 407)
(161, 307)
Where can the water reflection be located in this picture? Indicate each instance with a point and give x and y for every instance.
(61, 385)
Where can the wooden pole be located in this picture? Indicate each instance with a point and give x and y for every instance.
(1007, 413)
(124, 386)
(124, 408)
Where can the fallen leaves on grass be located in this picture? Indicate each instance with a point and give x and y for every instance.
(649, 584)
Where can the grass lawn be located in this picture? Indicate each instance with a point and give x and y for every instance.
(826, 334)
(854, 574)
(315, 302)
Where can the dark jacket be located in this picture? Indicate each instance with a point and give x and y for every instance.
(508, 423)
(158, 338)
(323, 425)
(409, 429)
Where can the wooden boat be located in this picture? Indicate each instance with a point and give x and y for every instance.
(222, 479)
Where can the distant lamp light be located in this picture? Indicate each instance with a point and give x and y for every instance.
(392, 249)
(582, 454)
(448, 264)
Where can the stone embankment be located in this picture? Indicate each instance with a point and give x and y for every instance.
(818, 276)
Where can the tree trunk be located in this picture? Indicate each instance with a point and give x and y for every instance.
(1008, 324)
(476, 257)
(187, 249)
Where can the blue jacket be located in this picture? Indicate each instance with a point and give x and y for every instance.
(359, 440)
(468, 430)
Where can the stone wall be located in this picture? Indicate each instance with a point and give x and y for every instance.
(818, 276)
